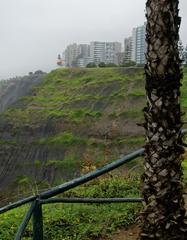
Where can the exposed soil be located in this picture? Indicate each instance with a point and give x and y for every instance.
(133, 232)
(130, 234)
(16, 88)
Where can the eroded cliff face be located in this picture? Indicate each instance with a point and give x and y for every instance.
(13, 89)
(72, 119)
(19, 153)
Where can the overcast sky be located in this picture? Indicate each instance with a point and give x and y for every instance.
(33, 32)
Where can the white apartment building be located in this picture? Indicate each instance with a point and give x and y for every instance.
(83, 50)
(97, 51)
(111, 52)
(77, 55)
(84, 61)
(138, 44)
(71, 54)
(84, 55)
(128, 50)
(105, 52)
(120, 58)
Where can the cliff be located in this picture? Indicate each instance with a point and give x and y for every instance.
(73, 118)
(11, 90)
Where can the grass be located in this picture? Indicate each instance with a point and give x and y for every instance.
(76, 105)
(5, 142)
(67, 164)
(84, 222)
(129, 141)
(70, 98)
(67, 139)
(137, 93)
(78, 221)
(64, 87)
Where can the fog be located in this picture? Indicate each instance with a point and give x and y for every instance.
(33, 32)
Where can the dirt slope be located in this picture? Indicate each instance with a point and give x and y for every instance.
(132, 232)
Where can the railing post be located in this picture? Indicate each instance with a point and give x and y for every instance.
(37, 221)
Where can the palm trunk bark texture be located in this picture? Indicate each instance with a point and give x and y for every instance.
(164, 213)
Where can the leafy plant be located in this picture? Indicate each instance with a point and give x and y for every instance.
(81, 221)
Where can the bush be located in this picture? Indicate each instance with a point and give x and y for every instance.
(111, 65)
(91, 65)
(102, 65)
(81, 221)
(129, 64)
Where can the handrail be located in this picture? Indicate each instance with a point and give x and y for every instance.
(76, 182)
(91, 200)
(25, 222)
(90, 176)
(17, 204)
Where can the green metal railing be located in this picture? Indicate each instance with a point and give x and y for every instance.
(35, 210)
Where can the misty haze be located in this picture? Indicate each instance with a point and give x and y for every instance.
(34, 32)
(93, 123)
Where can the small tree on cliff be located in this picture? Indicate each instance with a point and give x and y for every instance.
(164, 212)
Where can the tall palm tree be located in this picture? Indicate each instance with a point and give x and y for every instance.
(164, 212)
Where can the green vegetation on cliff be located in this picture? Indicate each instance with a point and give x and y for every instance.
(71, 117)
(78, 94)
(81, 221)
(76, 120)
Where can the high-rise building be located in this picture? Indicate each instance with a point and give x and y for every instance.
(139, 44)
(71, 54)
(83, 55)
(83, 50)
(128, 50)
(77, 55)
(111, 51)
(97, 51)
(84, 61)
(120, 58)
(105, 52)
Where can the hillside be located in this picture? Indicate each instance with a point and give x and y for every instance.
(73, 118)
(11, 90)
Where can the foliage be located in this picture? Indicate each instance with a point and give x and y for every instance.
(66, 139)
(137, 93)
(129, 64)
(68, 221)
(111, 65)
(63, 89)
(101, 65)
(91, 65)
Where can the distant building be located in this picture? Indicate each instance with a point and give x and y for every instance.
(71, 54)
(83, 55)
(97, 52)
(77, 55)
(139, 44)
(83, 62)
(111, 51)
(83, 50)
(105, 52)
(127, 50)
(120, 58)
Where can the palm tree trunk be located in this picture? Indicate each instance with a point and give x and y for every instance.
(164, 212)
